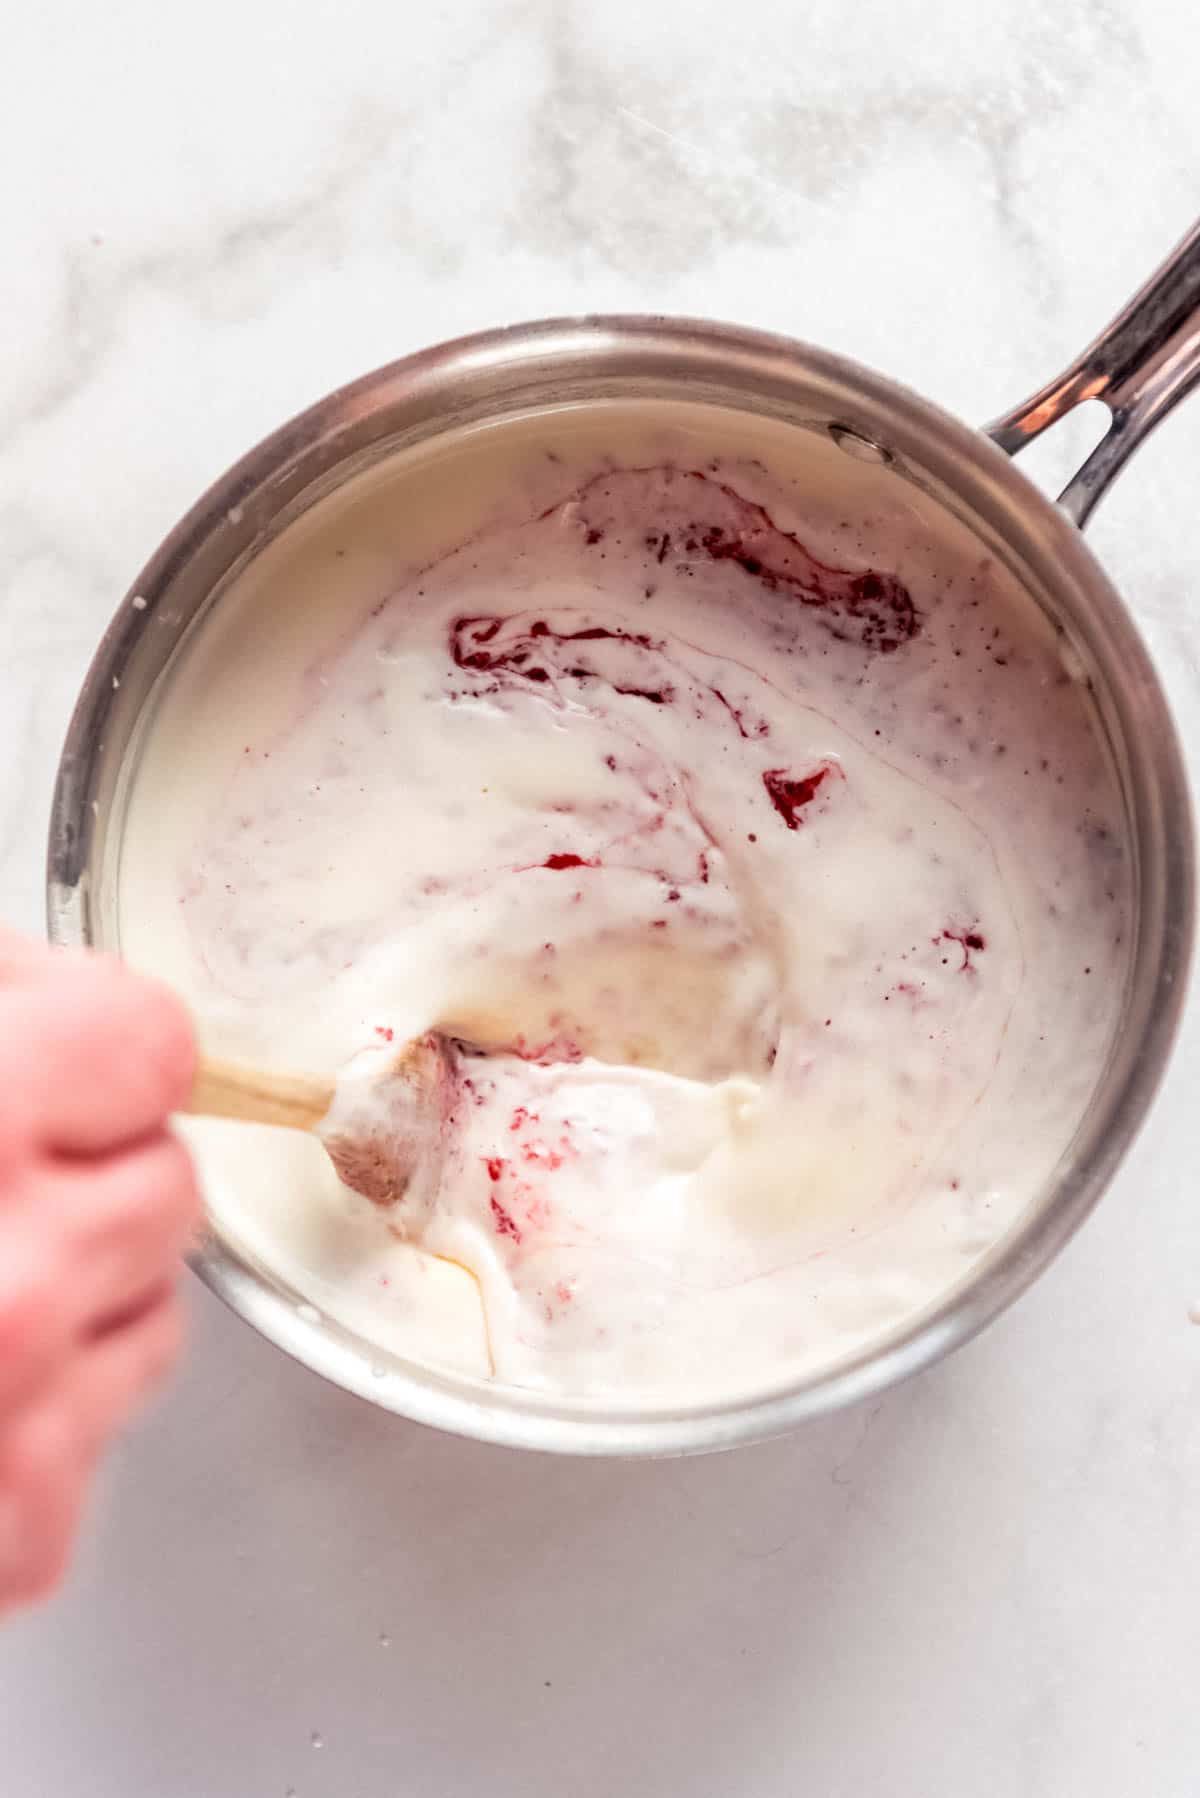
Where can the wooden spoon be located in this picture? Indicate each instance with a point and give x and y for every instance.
(380, 1131)
(230, 1089)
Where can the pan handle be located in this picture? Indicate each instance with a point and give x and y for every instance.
(1146, 360)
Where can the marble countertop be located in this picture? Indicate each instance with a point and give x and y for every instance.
(987, 1583)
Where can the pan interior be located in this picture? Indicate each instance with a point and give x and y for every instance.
(356, 544)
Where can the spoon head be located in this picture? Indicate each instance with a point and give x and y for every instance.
(386, 1129)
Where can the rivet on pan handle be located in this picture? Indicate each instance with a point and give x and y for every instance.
(1146, 360)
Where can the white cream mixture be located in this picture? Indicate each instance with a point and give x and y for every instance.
(732, 802)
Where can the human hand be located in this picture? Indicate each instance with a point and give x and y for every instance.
(97, 1200)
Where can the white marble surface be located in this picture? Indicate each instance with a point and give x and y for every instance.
(990, 1583)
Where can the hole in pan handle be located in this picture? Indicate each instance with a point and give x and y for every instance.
(1146, 360)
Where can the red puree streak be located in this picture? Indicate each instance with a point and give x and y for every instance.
(761, 728)
(789, 795)
(473, 645)
(505, 1226)
(710, 518)
(968, 941)
(505, 1222)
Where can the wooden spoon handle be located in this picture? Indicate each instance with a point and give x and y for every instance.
(227, 1089)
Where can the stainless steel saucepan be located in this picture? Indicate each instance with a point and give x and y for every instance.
(1139, 367)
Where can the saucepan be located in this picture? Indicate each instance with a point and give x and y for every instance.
(1139, 367)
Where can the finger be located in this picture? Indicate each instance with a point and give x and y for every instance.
(43, 1472)
(133, 1312)
(127, 1220)
(92, 1057)
(117, 1371)
(37, 1329)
